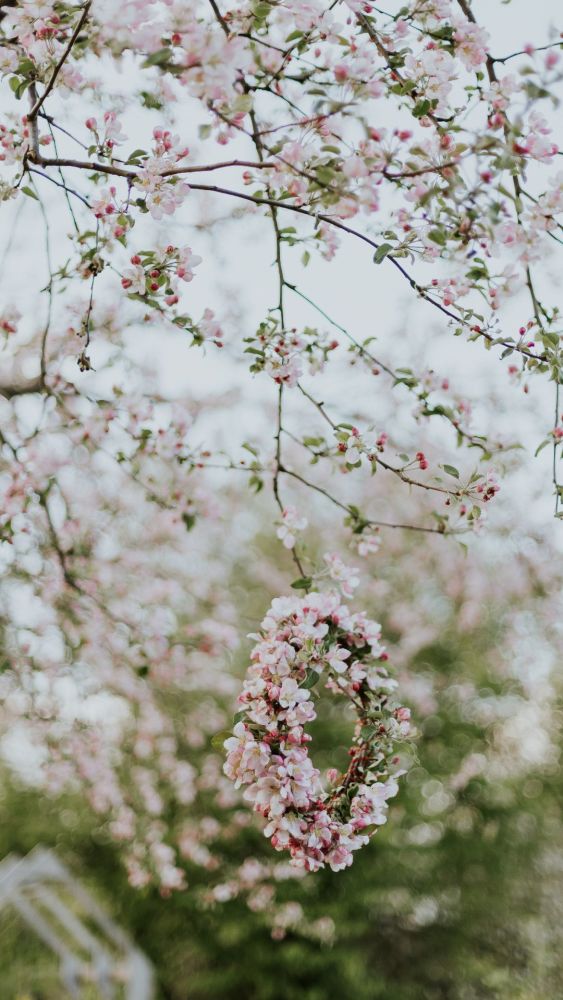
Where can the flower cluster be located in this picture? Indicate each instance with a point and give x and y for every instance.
(105, 488)
(164, 191)
(345, 576)
(302, 640)
(14, 142)
(352, 445)
(471, 43)
(38, 28)
(292, 523)
(368, 542)
(107, 135)
(488, 486)
(153, 271)
(283, 353)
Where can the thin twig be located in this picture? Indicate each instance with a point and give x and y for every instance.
(40, 100)
(353, 513)
(307, 213)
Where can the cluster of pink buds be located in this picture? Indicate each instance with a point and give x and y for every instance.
(107, 136)
(153, 272)
(106, 203)
(284, 353)
(14, 143)
(488, 487)
(164, 190)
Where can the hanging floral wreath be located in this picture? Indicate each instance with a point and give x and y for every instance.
(304, 639)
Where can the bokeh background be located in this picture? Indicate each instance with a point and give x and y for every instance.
(460, 896)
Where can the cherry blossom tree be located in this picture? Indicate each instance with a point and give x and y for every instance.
(405, 133)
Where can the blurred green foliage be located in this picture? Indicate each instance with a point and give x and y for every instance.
(457, 898)
(453, 903)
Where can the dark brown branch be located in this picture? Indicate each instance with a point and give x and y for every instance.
(297, 209)
(115, 171)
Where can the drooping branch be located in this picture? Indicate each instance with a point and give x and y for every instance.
(322, 217)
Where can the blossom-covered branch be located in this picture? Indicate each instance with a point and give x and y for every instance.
(393, 142)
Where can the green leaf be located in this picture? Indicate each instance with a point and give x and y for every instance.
(150, 101)
(550, 339)
(189, 520)
(369, 830)
(540, 447)
(159, 58)
(218, 740)
(30, 193)
(136, 155)
(451, 470)
(303, 583)
(310, 680)
(25, 67)
(437, 236)
(477, 273)
(325, 174)
(261, 10)
(422, 108)
(381, 253)
(243, 103)
(250, 448)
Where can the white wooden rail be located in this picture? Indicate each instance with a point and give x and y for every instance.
(108, 959)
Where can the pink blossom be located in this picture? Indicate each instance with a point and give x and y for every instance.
(282, 782)
(291, 525)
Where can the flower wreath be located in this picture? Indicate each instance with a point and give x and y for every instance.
(302, 638)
